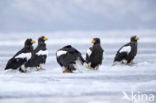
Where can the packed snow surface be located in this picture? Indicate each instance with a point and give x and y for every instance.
(103, 86)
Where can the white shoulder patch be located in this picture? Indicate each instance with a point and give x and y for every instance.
(61, 52)
(24, 55)
(42, 52)
(125, 49)
(89, 52)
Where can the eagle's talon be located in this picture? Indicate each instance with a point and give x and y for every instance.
(132, 62)
(38, 69)
(96, 68)
(67, 71)
(127, 64)
(24, 71)
(89, 67)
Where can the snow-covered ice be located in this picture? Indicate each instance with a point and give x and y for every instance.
(103, 86)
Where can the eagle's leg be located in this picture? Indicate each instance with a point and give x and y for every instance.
(132, 62)
(40, 68)
(22, 71)
(96, 68)
(67, 71)
(89, 67)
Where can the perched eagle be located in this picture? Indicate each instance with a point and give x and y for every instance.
(127, 52)
(69, 59)
(39, 55)
(20, 58)
(94, 55)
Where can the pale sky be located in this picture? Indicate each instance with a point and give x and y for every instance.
(66, 15)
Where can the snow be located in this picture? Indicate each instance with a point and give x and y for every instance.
(103, 86)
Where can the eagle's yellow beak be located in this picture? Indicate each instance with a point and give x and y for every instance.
(93, 41)
(33, 41)
(137, 38)
(45, 38)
